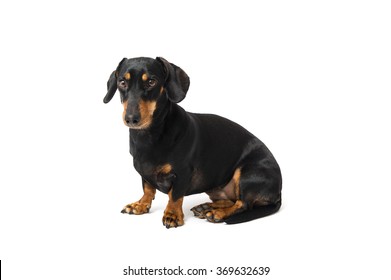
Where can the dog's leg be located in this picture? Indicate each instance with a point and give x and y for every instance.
(253, 192)
(226, 201)
(173, 214)
(218, 215)
(144, 204)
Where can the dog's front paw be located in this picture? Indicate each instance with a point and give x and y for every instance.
(172, 219)
(136, 208)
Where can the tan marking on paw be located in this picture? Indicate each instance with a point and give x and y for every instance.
(173, 214)
(220, 214)
(137, 208)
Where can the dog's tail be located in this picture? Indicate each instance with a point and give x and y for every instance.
(255, 213)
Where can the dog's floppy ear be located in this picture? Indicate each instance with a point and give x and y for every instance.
(177, 81)
(112, 83)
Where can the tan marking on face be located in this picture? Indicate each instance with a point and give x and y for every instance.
(147, 108)
(125, 104)
(127, 76)
(161, 89)
(165, 169)
(144, 77)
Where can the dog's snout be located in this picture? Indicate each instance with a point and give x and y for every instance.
(132, 119)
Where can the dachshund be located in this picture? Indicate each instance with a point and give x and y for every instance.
(181, 153)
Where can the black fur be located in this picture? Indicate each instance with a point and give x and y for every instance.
(203, 150)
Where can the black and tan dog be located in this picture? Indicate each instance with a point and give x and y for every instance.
(181, 153)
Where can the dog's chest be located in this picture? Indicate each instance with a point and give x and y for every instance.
(159, 174)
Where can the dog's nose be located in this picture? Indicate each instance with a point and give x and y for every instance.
(132, 119)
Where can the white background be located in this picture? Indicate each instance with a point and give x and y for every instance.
(310, 78)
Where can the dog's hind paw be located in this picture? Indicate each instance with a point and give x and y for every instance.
(217, 211)
(206, 211)
(136, 208)
(201, 210)
(215, 216)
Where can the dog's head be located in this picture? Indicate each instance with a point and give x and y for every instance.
(145, 85)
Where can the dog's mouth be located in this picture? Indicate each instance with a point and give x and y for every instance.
(138, 126)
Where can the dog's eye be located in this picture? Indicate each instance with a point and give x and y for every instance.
(151, 83)
(122, 84)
